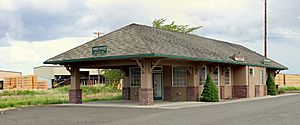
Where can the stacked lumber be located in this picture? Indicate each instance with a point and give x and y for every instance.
(287, 79)
(43, 84)
(28, 82)
(6, 83)
(20, 81)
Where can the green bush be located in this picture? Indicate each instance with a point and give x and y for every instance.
(210, 92)
(271, 87)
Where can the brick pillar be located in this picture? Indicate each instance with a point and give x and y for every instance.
(167, 93)
(75, 96)
(146, 96)
(265, 90)
(193, 83)
(257, 90)
(126, 93)
(192, 93)
(126, 84)
(222, 93)
(240, 91)
(146, 90)
(75, 93)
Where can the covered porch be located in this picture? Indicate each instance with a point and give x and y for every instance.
(154, 81)
(166, 79)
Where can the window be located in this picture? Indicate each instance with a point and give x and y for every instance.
(251, 72)
(135, 76)
(179, 76)
(228, 76)
(203, 74)
(262, 77)
(216, 75)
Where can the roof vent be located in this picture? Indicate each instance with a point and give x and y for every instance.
(238, 57)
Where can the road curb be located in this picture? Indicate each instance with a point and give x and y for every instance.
(173, 105)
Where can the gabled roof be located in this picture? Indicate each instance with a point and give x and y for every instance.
(143, 41)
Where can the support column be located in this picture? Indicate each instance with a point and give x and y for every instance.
(146, 90)
(265, 90)
(126, 84)
(257, 90)
(75, 94)
(193, 83)
(222, 93)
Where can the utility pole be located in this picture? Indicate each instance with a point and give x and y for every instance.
(98, 34)
(266, 37)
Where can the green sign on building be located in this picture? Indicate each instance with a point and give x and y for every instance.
(99, 50)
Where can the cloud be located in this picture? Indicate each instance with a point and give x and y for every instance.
(24, 55)
(24, 24)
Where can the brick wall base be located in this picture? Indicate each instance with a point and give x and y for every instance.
(146, 96)
(167, 93)
(192, 93)
(126, 93)
(240, 91)
(265, 90)
(222, 92)
(257, 90)
(75, 96)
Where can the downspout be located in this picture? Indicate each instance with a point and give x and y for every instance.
(248, 81)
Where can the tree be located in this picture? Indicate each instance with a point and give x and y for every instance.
(160, 23)
(271, 87)
(113, 76)
(210, 92)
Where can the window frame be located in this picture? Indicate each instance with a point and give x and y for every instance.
(219, 75)
(130, 77)
(186, 79)
(261, 77)
(230, 77)
(205, 75)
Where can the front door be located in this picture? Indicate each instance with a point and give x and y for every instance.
(157, 86)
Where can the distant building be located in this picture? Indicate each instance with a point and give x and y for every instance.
(59, 75)
(4, 74)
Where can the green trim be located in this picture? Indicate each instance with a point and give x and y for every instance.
(99, 58)
(158, 55)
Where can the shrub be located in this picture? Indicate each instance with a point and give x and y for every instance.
(271, 87)
(210, 91)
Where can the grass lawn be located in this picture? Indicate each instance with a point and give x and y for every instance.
(18, 98)
(290, 88)
(285, 89)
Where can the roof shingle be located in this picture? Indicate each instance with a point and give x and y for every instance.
(137, 39)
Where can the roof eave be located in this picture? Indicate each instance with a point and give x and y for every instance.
(157, 55)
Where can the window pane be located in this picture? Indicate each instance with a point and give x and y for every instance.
(262, 76)
(179, 76)
(135, 78)
(227, 76)
(216, 75)
(202, 75)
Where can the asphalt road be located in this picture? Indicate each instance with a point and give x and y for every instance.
(276, 111)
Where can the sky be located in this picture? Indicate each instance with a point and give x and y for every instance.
(32, 31)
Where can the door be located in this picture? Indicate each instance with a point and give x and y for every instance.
(157, 86)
